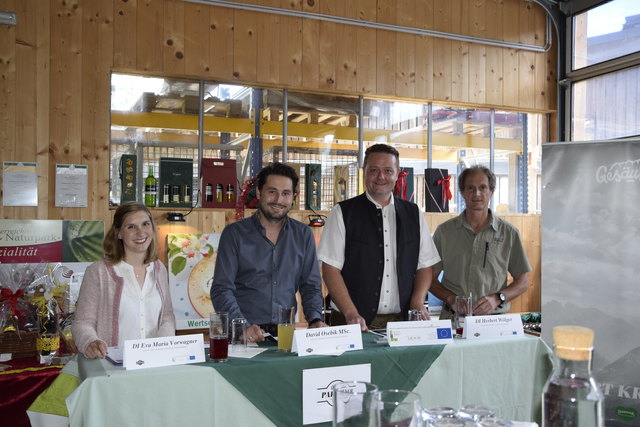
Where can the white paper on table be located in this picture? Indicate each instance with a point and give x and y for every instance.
(115, 355)
(251, 351)
(317, 393)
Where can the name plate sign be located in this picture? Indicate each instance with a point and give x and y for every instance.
(317, 389)
(496, 326)
(165, 351)
(333, 340)
(422, 332)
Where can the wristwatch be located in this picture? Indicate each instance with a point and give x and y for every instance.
(502, 298)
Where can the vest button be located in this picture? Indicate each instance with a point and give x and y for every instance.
(379, 278)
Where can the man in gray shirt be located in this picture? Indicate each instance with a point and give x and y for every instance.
(265, 259)
(478, 249)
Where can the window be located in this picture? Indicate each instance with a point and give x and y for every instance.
(155, 118)
(605, 71)
(609, 31)
(606, 106)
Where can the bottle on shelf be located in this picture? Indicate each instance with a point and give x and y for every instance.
(175, 195)
(186, 197)
(166, 193)
(314, 193)
(208, 193)
(230, 194)
(571, 396)
(150, 189)
(219, 193)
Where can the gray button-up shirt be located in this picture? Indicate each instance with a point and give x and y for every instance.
(253, 277)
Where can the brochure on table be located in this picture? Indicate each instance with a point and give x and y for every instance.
(165, 351)
(327, 341)
(496, 326)
(317, 389)
(422, 332)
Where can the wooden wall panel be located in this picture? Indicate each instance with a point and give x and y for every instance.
(197, 61)
(310, 48)
(460, 71)
(269, 51)
(494, 76)
(8, 85)
(125, 33)
(149, 35)
(327, 47)
(386, 49)
(291, 50)
(366, 79)
(406, 48)
(221, 42)
(97, 31)
(173, 46)
(424, 51)
(245, 46)
(42, 111)
(66, 95)
(347, 49)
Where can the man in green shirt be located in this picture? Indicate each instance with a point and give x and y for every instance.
(477, 250)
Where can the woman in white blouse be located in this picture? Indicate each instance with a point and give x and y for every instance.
(126, 295)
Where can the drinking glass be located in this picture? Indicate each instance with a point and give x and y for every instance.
(415, 315)
(463, 308)
(238, 339)
(398, 408)
(475, 412)
(440, 412)
(353, 404)
(495, 422)
(286, 316)
(219, 336)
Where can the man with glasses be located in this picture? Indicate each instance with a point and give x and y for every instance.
(477, 250)
(377, 250)
(265, 259)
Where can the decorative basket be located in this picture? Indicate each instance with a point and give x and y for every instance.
(23, 345)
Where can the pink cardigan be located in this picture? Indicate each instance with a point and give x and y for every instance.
(98, 305)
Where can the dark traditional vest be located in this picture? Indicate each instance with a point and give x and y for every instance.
(364, 252)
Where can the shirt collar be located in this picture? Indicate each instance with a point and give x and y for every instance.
(256, 222)
(493, 220)
(378, 205)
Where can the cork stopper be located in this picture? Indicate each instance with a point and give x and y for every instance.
(573, 342)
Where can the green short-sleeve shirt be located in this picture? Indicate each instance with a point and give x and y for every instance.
(478, 263)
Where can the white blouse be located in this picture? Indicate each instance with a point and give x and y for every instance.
(139, 307)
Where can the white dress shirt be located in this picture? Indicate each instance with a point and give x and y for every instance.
(332, 246)
(139, 307)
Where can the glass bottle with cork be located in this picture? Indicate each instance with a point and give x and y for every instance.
(571, 396)
(150, 189)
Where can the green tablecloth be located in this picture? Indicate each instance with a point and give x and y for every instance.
(504, 374)
(400, 368)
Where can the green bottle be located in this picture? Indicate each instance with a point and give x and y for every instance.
(150, 189)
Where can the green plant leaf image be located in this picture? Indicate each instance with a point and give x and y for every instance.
(177, 265)
(82, 241)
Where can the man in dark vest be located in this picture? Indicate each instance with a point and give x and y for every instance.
(376, 250)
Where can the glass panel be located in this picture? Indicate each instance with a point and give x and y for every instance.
(606, 107)
(462, 138)
(403, 125)
(605, 32)
(158, 117)
(321, 130)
